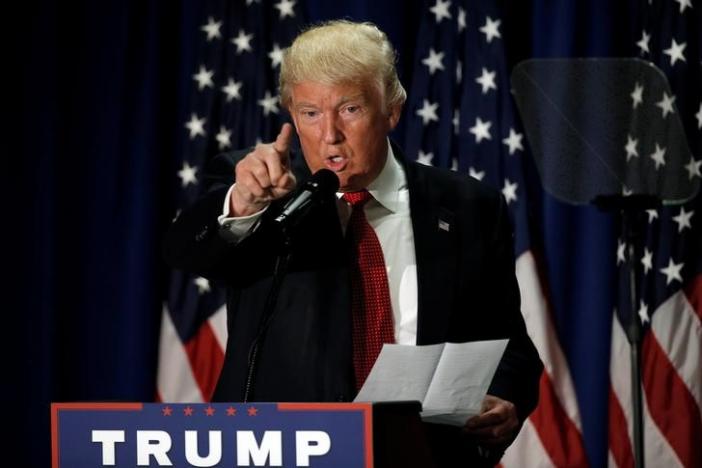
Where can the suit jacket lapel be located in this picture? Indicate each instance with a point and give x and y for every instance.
(436, 249)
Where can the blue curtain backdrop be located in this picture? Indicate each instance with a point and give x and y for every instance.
(102, 90)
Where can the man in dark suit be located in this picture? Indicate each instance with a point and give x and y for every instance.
(445, 239)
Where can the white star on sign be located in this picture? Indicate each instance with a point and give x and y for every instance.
(434, 61)
(196, 126)
(276, 55)
(487, 80)
(675, 52)
(491, 29)
(684, 4)
(637, 95)
(631, 151)
(647, 260)
(666, 104)
(672, 271)
(224, 138)
(643, 42)
(698, 116)
(658, 156)
(285, 7)
(621, 252)
(202, 284)
(652, 214)
(428, 112)
(232, 90)
(212, 29)
(242, 42)
(643, 313)
(461, 19)
(481, 130)
(441, 10)
(425, 158)
(683, 219)
(269, 103)
(476, 174)
(203, 78)
(514, 141)
(693, 168)
(187, 174)
(509, 191)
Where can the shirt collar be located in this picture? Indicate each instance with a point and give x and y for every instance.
(391, 180)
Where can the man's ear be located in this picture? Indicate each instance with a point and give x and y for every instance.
(394, 115)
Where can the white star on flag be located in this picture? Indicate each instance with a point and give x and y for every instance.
(242, 42)
(491, 29)
(514, 141)
(224, 138)
(428, 112)
(684, 4)
(269, 103)
(652, 214)
(658, 156)
(675, 52)
(285, 7)
(456, 121)
(425, 158)
(441, 10)
(643, 313)
(276, 55)
(204, 78)
(434, 61)
(683, 219)
(475, 173)
(693, 168)
(698, 116)
(481, 130)
(647, 260)
(621, 252)
(212, 29)
(203, 285)
(461, 19)
(187, 174)
(487, 80)
(672, 271)
(459, 71)
(637, 95)
(643, 42)
(631, 151)
(509, 191)
(232, 90)
(666, 104)
(196, 126)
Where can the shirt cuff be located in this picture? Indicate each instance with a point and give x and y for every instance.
(235, 228)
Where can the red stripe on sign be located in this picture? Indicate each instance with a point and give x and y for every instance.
(670, 403)
(693, 292)
(206, 359)
(559, 436)
(619, 442)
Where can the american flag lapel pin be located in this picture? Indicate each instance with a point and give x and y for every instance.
(444, 225)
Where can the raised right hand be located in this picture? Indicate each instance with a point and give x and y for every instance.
(263, 175)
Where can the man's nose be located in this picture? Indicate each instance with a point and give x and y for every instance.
(332, 132)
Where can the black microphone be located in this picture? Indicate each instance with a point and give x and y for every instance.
(322, 184)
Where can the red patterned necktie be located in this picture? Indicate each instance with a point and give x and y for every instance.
(370, 302)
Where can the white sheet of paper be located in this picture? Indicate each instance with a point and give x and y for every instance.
(450, 379)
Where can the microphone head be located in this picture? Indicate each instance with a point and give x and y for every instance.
(324, 182)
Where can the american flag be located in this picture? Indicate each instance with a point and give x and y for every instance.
(234, 104)
(462, 116)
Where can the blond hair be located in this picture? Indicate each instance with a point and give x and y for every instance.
(341, 52)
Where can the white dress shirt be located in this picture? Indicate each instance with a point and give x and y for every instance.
(388, 213)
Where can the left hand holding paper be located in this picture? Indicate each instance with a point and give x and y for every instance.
(497, 423)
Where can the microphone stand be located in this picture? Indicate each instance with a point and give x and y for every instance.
(281, 267)
(632, 209)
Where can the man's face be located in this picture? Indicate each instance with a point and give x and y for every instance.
(343, 128)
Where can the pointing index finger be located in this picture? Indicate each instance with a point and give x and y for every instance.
(284, 139)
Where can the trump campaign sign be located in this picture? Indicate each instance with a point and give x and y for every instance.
(211, 435)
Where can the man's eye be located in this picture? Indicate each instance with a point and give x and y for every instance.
(309, 113)
(352, 109)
